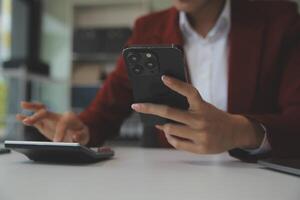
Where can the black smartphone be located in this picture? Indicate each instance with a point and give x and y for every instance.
(145, 65)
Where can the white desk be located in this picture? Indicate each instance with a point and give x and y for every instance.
(142, 174)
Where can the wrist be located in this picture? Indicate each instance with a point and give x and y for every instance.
(248, 134)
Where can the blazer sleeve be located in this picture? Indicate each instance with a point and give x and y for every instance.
(283, 127)
(111, 105)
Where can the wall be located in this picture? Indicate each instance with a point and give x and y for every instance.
(57, 30)
(57, 43)
(56, 51)
(19, 46)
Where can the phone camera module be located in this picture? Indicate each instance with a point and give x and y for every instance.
(149, 55)
(137, 69)
(150, 64)
(133, 58)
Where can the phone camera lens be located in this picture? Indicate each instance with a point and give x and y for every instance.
(149, 55)
(137, 69)
(150, 64)
(133, 58)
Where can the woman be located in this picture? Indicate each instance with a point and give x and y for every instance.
(244, 92)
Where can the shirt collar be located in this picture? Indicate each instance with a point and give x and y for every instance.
(221, 28)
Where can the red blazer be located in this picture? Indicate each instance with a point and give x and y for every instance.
(264, 72)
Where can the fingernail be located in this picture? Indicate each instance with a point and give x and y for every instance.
(135, 106)
(159, 127)
(165, 78)
(26, 121)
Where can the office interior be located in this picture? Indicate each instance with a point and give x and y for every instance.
(60, 52)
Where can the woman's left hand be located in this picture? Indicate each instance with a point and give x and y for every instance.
(203, 128)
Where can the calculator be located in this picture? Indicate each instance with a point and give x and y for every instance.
(59, 152)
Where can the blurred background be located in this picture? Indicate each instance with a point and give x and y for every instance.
(59, 52)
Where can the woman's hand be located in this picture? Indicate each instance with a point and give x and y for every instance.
(203, 128)
(65, 127)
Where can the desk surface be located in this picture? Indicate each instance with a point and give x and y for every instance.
(142, 174)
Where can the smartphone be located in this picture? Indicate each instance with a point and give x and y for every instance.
(145, 65)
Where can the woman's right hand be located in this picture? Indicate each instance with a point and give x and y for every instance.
(65, 127)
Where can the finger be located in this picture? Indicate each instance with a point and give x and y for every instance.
(185, 89)
(32, 106)
(180, 131)
(77, 136)
(163, 111)
(182, 144)
(67, 120)
(40, 115)
(82, 136)
(23, 119)
(20, 117)
(60, 131)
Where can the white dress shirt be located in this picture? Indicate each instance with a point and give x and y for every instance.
(207, 59)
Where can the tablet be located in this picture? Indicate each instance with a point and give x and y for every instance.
(286, 165)
(59, 152)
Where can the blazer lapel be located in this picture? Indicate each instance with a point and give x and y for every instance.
(172, 33)
(245, 49)
(246, 39)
